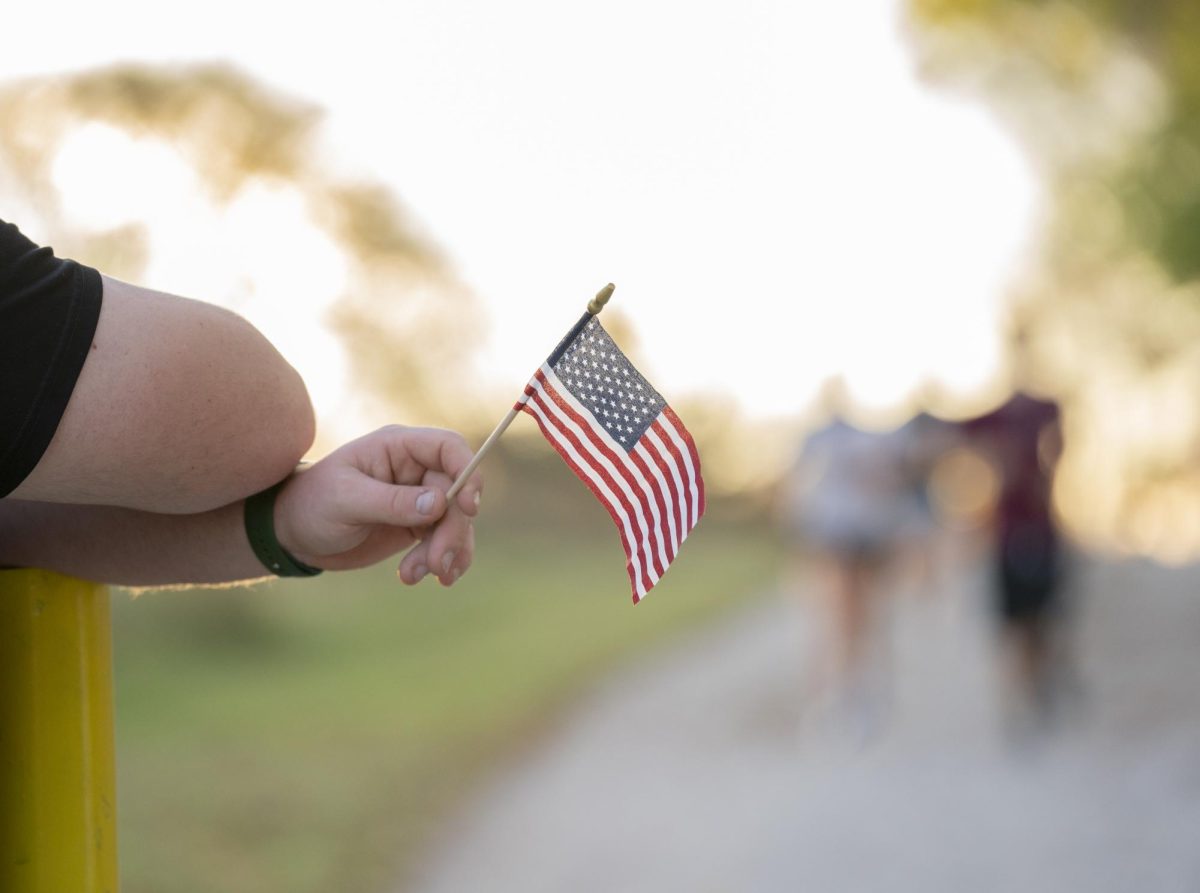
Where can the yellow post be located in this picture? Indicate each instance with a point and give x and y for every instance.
(57, 764)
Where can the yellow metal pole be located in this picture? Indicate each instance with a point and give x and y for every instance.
(57, 764)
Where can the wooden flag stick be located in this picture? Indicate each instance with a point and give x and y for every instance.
(481, 452)
(595, 305)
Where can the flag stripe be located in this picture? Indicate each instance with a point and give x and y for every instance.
(639, 486)
(656, 486)
(637, 536)
(688, 448)
(607, 467)
(593, 481)
(665, 488)
(657, 460)
(657, 437)
(683, 463)
(640, 576)
(618, 435)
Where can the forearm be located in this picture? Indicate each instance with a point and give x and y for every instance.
(372, 498)
(128, 547)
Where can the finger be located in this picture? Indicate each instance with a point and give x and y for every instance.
(365, 500)
(434, 448)
(467, 499)
(414, 567)
(455, 560)
(451, 548)
(463, 562)
(450, 545)
(405, 455)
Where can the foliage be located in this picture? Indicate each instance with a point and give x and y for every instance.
(1105, 97)
(1074, 47)
(235, 132)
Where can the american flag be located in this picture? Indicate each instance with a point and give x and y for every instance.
(621, 439)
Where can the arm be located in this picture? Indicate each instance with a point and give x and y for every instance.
(373, 497)
(181, 407)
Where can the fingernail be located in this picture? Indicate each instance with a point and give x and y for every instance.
(425, 502)
(419, 572)
(447, 561)
(455, 574)
(478, 496)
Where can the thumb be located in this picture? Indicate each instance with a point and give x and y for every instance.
(368, 501)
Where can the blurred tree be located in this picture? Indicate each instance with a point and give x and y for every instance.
(1105, 96)
(408, 324)
(1086, 54)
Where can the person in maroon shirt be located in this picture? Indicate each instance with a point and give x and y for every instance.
(1023, 440)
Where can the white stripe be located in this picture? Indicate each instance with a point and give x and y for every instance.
(692, 472)
(621, 453)
(609, 497)
(669, 459)
(606, 463)
(662, 488)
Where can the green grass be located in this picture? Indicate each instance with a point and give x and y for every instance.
(309, 735)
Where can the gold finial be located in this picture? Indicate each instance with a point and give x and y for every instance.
(596, 304)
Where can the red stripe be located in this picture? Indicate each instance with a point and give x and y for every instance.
(675, 497)
(632, 549)
(691, 445)
(685, 503)
(645, 558)
(664, 528)
(552, 437)
(621, 462)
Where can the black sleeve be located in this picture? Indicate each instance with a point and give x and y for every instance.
(48, 313)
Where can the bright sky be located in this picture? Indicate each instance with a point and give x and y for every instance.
(775, 196)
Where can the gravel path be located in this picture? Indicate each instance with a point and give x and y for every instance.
(694, 770)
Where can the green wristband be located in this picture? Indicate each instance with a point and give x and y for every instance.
(260, 530)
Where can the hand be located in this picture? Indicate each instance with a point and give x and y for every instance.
(379, 495)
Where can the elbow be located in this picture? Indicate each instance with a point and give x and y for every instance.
(287, 434)
(275, 431)
(258, 430)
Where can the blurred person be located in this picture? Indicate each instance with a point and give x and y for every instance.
(854, 512)
(1023, 441)
(922, 442)
(148, 439)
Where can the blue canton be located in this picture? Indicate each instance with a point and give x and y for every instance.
(603, 380)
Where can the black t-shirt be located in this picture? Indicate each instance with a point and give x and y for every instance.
(48, 313)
